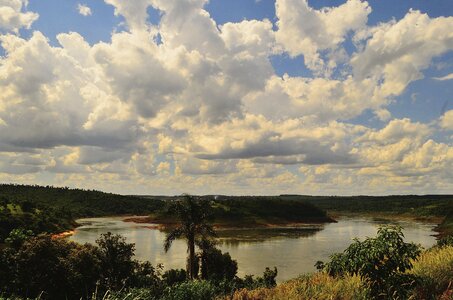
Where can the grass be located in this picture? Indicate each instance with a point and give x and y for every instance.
(316, 286)
(434, 268)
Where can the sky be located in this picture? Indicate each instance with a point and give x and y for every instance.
(240, 97)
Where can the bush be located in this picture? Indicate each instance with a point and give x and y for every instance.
(174, 276)
(382, 260)
(17, 237)
(190, 290)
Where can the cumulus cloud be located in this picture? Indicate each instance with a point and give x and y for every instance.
(133, 11)
(303, 30)
(189, 105)
(446, 121)
(84, 10)
(397, 52)
(13, 17)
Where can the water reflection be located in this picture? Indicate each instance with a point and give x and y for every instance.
(292, 250)
(234, 237)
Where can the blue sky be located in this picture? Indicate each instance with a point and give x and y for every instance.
(223, 96)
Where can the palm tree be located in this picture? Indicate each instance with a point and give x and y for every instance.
(193, 216)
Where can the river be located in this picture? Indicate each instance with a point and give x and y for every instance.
(292, 250)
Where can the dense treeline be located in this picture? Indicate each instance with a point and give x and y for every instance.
(78, 202)
(416, 205)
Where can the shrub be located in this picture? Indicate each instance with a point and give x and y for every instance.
(190, 290)
(382, 260)
(17, 237)
(174, 276)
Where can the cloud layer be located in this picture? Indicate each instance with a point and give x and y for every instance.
(190, 105)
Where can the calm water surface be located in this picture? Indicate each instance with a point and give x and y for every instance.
(292, 250)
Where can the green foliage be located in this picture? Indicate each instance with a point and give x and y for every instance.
(174, 276)
(190, 290)
(116, 260)
(77, 202)
(59, 269)
(46, 266)
(267, 281)
(17, 237)
(382, 260)
(216, 265)
(12, 216)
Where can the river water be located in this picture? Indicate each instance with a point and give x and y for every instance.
(293, 251)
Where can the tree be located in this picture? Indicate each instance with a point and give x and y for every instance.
(193, 216)
(215, 265)
(116, 260)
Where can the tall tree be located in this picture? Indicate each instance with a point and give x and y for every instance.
(193, 224)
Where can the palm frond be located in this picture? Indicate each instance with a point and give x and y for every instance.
(171, 236)
(207, 230)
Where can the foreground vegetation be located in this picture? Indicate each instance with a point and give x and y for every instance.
(382, 267)
(35, 264)
(54, 268)
(431, 278)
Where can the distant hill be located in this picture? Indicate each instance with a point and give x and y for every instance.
(415, 205)
(78, 202)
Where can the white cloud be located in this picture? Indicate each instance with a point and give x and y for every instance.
(13, 17)
(303, 30)
(84, 10)
(397, 52)
(202, 110)
(446, 121)
(133, 11)
(446, 77)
